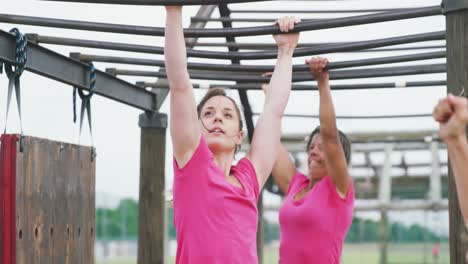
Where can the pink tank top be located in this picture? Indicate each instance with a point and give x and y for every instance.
(215, 221)
(313, 229)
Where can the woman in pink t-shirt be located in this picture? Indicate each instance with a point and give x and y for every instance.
(215, 203)
(318, 209)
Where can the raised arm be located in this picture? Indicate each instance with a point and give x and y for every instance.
(284, 168)
(452, 114)
(184, 127)
(335, 159)
(266, 138)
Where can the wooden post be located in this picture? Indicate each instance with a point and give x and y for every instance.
(151, 217)
(456, 14)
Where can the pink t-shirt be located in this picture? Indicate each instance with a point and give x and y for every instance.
(215, 221)
(313, 229)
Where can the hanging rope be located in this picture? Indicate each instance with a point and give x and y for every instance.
(85, 103)
(21, 57)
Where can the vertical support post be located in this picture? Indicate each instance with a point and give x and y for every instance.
(456, 18)
(384, 237)
(435, 182)
(385, 193)
(151, 205)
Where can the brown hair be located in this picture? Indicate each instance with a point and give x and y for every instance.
(218, 92)
(345, 143)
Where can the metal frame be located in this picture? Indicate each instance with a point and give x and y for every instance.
(266, 46)
(336, 11)
(264, 68)
(357, 116)
(230, 55)
(60, 68)
(222, 33)
(302, 87)
(297, 77)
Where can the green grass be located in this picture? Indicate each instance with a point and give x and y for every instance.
(353, 254)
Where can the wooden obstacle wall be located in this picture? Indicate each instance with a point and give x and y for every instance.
(51, 218)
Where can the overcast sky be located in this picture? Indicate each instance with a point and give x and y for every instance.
(47, 104)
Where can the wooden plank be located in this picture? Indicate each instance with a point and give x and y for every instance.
(151, 217)
(457, 80)
(55, 203)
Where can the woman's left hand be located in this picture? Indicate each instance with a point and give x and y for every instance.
(287, 41)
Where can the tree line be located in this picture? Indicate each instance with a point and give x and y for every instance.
(122, 223)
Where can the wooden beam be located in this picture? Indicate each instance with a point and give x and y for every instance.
(151, 205)
(457, 79)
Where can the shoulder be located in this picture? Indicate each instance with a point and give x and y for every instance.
(347, 198)
(200, 157)
(297, 181)
(245, 171)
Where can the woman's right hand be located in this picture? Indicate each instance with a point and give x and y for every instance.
(317, 67)
(452, 114)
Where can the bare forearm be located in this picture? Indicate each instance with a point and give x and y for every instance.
(458, 154)
(280, 83)
(328, 128)
(175, 53)
(283, 169)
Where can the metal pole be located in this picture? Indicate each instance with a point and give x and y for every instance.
(270, 54)
(337, 11)
(233, 32)
(264, 68)
(241, 20)
(359, 117)
(298, 77)
(302, 87)
(385, 196)
(266, 46)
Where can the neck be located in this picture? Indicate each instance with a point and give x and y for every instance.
(313, 182)
(224, 161)
(314, 179)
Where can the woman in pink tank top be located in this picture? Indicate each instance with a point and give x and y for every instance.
(215, 203)
(318, 209)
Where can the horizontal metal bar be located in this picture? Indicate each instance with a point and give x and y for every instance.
(264, 68)
(302, 87)
(158, 2)
(60, 68)
(297, 77)
(265, 46)
(399, 205)
(237, 20)
(337, 11)
(233, 32)
(368, 44)
(241, 20)
(358, 117)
